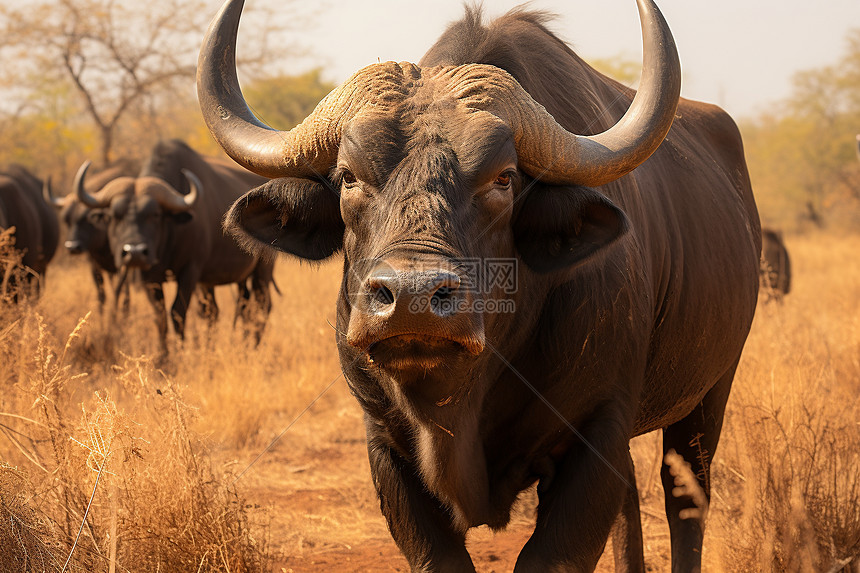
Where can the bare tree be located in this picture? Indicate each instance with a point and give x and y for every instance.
(118, 56)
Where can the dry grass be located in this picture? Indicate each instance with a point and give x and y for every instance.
(29, 539)
(122, 476)
(171, 442)
(788, 472)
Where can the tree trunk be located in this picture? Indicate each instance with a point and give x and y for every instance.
(106, 145)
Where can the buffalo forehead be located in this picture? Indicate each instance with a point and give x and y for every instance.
(375, 144)
(150, 186)
(117, 187)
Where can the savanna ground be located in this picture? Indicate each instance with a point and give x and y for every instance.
(182, 478)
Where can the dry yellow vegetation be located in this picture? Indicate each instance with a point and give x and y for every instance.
(235, 458)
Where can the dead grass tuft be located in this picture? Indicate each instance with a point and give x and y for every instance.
(122, 489)
(28, 539)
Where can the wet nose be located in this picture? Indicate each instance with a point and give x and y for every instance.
(409, 310)
(74, 247)
(435, 291)
(135, 253)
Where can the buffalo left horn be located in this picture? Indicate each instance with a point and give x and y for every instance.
(81, 192)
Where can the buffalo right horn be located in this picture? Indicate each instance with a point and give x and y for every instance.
(558, 156)
(167, 196)
(83, 196)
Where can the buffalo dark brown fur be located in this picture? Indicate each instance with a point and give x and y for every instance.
(37, 229)
(633, 297)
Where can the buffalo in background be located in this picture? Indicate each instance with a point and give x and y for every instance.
(86, 232)
(775, 265)
(628, 220)
(36, 229)
(166, 222)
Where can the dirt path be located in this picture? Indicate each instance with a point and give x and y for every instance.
(324, 515)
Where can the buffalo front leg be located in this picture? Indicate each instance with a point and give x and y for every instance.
(126, 298)
(207, 307)
(260, 281)
(120, 287)
(695, 439)
(418, 522)
(243, 305)
(155, 294)
(99, 281)
(627, 530)
(579, 508)
(186, 282)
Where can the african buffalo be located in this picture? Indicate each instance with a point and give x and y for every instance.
(167, 223)
(36, 227)
(86, 231)
(775, 265)
(628, 224)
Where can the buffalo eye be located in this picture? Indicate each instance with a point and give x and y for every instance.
(348, 178)
(503, 180)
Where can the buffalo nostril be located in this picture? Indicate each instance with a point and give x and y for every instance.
(444, 293)
(382, 294)
(139, 249)
(443, 299)
(383, 288)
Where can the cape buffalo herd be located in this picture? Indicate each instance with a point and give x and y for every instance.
(166, 221)
(626, 219)
(159, 219)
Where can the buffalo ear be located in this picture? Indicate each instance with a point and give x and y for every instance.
(562, 226)
(296, 216)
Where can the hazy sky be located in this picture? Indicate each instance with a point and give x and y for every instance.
(740, 54)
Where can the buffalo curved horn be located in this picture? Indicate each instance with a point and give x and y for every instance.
(548, 151)
(84, 197)
(545, 149)
(310, 148)
(194, 185)
(167, 196)
(48, 194)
